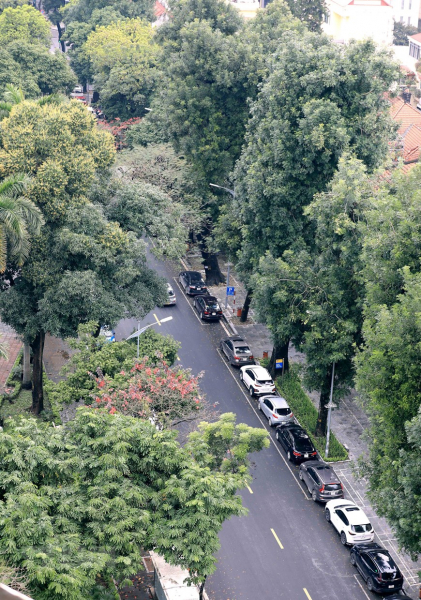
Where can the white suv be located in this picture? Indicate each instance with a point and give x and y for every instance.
(350, 521)
(257, 380)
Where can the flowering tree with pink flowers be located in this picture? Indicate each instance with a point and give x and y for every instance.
(165, 395)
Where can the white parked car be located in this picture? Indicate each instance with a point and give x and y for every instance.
(78, 89)
(257, 380)
(350, 521)
(276, 410)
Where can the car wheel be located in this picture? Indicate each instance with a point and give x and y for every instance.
(202, 316)
(343, 538)
(270, 422)
(370, 584)
(353, 561)
(241, 376)
(289, 456)
(327, 515)
(277, 436)
(260, 406)
(314, 496)
(251, 391)
(300, 475)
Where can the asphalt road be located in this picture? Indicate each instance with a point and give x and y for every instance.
(284, 548)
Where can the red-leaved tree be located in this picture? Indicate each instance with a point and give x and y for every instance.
(119, 129)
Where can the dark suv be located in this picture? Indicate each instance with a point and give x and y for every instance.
(208, 308)
(296, 442)
(321, 480)
(377, 568)
(237, 351)
(192, 282)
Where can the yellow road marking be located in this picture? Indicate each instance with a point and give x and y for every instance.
(279, 542)
(307, 594)
(249, 488)
(156, 319)
(178, 358)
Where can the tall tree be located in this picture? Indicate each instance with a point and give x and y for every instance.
(306, 115)
(81, 266)
(123, 56)
(53, 10)
(310, 12)
(98, 492)
(24, 23)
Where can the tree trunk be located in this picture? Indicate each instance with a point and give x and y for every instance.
(60, 31)
(214, 276)
(37, 384)
(246, 306)
(321, 427)
(279, 351)
(26, 378)
(202, 589)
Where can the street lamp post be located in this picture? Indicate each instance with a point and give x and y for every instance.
(232, 192)
(329, 413)
(139, 332)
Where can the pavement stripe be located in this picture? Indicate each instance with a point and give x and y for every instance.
(156, 319)
(249, 488)
(307, 594)
(363, 590)
(278, 540)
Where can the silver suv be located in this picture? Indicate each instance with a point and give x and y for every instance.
(276, 410)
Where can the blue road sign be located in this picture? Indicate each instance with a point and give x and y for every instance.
(279, 363)
(230, 291)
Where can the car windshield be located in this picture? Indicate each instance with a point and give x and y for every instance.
(170, 292)
(303, 444)
(384, 561)
(242, 349)
(283, 411)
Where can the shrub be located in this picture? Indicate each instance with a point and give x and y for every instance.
(289, 386)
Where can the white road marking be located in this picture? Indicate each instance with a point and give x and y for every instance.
(364, 592)
(264, 427)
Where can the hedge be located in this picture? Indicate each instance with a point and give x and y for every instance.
(289, 386)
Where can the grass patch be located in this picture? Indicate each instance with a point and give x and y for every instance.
(20, 406)
(289, 386)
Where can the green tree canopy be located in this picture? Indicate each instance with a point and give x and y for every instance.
(12, 4)
(81, 267)
(122, 56)
(24, 23)
(94, 494)
(34, 69)
(310, 12)
(401, 33)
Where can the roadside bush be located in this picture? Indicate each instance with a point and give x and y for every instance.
(289, 386)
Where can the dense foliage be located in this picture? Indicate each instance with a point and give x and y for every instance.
(94, 494)
(26, 24)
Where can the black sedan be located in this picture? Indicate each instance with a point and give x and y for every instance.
(237, 351)
(377, 568)
(296, 442)
(208, 308)
(192, 282)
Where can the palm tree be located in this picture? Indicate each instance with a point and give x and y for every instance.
(19, 219)
(13, 95)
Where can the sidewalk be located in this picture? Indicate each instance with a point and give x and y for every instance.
(349, 422)
(13, 344)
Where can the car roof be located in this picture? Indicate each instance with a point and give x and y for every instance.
(240, 342)
(278, 401)
(355, 514)
(206, 297)
(324, 471)
(259, 370)
(367, 547)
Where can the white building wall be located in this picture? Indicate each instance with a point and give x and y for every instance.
(406, 11)
(360, 20)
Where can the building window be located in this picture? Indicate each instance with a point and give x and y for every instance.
(402, 4)
(326, 18)
(414, 50)
(409, 20)
(410, 4)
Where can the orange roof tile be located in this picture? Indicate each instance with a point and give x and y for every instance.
(159, 9)
(416, 37)
(404, 114)
(411, 143)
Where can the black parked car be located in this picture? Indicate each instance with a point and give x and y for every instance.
(377, 568)
(321, 480)
(296, 442)
(237, 351)
(208, 308)
(192, 282)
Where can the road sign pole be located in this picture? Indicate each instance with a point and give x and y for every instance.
(138, 327)
(329, 414)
